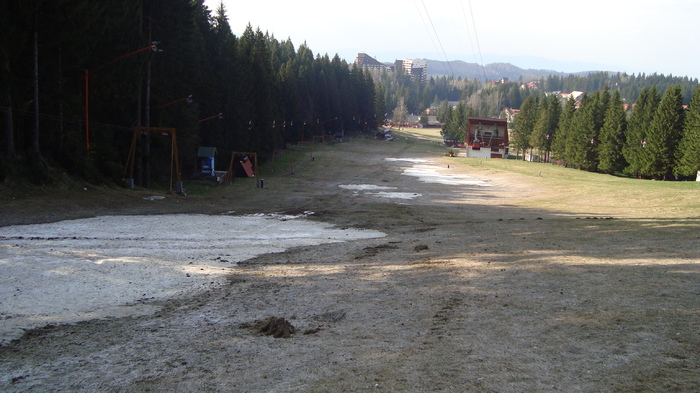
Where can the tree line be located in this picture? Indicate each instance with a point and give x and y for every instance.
(160, 63)
(486, 99)
(175, 63)
(640, 134)
(658, 137)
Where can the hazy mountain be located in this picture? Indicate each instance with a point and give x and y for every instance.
(460, 68)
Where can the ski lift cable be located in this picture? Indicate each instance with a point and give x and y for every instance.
(476, 37)
(469, 34)
(438, 38)
(427, 29)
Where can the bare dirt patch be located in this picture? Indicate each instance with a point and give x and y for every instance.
(276, 327)
(474, 288)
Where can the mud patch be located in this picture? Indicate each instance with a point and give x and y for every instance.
(421, 247)
(331, 316)
(272, 326)
(372, 251)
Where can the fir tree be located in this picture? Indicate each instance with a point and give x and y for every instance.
(546, 125)
(581, 142)
(688, 162)
(562, 133)
(538, 137)
(612, 136)
(456, 125)
(524, 124)
(664, 134)
(634, 150)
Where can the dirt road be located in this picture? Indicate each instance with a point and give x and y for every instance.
(468, 292)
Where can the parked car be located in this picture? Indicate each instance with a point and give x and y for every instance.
(451, 142)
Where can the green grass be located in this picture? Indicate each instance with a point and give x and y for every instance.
(572, 190)
(556, 188)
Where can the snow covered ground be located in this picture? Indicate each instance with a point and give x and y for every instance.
(77, 270)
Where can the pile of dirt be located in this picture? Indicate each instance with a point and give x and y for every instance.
(374, 250)
(276, 327)
(421, 247)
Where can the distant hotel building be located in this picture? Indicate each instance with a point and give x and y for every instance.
(416, 69)
(366, 61)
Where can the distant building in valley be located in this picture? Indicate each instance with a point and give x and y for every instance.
(415, 68)
(366, 61)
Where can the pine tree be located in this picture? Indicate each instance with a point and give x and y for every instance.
(634, 150)
(602, 100)
(562, 133)
(581, 141)
(379, 105)
(538, 137)
(664, 134)
(456, 125)
(524, 124)
(598, 107)
(688, 162)
(14, 37)
(546, 126)
(444, 112)
(612, 136)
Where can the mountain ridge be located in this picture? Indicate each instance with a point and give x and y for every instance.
(493, 71)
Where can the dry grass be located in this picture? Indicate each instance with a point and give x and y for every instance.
(552, 279)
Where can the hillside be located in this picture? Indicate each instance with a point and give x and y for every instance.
(488, 276)
(492, 71)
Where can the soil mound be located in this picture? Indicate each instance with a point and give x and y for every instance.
(273, 326)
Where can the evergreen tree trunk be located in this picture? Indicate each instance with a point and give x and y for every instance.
(35, 134)
(147, 115)
(9, 126)
(61, 130)
(147, 123)
(36, 150)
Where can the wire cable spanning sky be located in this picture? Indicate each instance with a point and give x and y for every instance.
(645, 36)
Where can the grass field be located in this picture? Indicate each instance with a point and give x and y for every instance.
(574, 191)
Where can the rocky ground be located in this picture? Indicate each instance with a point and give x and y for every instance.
(470, 290)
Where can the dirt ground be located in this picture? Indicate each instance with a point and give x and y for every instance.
(469, 291)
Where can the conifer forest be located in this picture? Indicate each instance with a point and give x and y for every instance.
(76, 77)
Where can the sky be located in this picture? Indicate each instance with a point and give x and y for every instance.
(641, 36)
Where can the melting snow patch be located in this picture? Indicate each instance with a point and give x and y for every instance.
(76, 270)
(381, 194)
(154, 198)
(396, 195)
(413, 160)
(430, 174)
(281, 216)
(365, 187)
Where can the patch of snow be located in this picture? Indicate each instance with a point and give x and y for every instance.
(154, 198)
(413, 160)
(396, 195)
(76, 270)
(431, 174)
(364, 187)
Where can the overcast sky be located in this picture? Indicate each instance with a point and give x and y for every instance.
(632, 36)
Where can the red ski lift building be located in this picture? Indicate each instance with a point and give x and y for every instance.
(487, 138)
